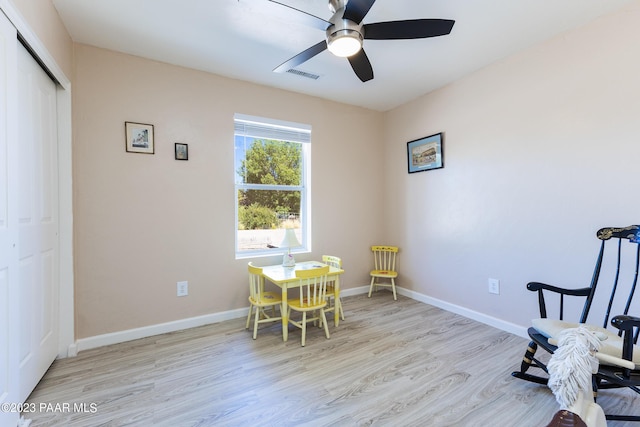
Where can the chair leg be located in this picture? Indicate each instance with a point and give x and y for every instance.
(304, 326)
(393, 286)
(527, 361)
(528, 357)
(249, 316)
(595, 384)
(324, 322)
(255, 323)
(339, 306)
(371, 286)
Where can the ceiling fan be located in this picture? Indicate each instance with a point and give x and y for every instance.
(345, 33)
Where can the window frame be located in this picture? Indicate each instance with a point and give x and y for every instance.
(251, 126)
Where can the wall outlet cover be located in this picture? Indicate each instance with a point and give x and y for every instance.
(494, 286)
(183, 289)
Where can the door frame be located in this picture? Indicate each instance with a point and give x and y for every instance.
(66, 343)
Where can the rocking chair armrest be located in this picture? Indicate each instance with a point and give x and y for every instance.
(541, 287)
(537, 286)
(626, 324)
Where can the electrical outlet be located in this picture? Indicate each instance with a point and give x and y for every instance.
(494, 286)
(183, 289)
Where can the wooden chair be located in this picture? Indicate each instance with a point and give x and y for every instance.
(260, 299)
(618, 261)
(336, 262)
(384, 268)
(312, 299)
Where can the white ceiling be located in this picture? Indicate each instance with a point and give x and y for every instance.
(246, 39)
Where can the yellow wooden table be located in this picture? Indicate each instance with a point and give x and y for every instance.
(285, 278)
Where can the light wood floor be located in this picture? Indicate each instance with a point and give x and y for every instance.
(401, 363)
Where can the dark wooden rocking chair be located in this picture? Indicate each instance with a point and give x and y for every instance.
(621, 339)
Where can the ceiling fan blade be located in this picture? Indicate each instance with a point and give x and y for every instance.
(409, 29)
(288, 13)
(357, 9)
(361, 66)
(303, 56)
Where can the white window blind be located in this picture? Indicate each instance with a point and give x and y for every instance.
(258, 127)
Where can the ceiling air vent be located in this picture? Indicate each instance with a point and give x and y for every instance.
(303, 74)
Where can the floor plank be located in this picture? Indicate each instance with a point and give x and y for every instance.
(390, 363)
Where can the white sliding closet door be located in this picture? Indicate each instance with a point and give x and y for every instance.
(8, 230)
(38, 289)
(35, 139)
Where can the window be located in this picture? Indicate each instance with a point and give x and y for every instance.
(272, 184)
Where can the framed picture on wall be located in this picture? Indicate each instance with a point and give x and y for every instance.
(425, 153)
(182, 151)
(139, 137)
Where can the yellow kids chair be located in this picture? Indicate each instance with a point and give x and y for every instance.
(384, 268)
(260, 299)
(312, 299)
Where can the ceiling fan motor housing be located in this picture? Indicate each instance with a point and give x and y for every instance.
(343, 28)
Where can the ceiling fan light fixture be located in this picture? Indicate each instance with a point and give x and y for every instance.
(345, 34)
(344, 43)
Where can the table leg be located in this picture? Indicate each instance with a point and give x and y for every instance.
(285, 317)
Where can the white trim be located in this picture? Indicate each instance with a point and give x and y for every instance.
(354, 291)
(66, 305)
(161, 328)
(177, 325)
(463, 311)
(72, 351)
(512, 328)
(193, 322)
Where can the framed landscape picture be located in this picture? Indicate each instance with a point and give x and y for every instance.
(425, 153)
(139, 137)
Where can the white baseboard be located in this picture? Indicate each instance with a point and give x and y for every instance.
(72, 350)
(193, 322)
(162, 328)
(470, 314)
(354, 291)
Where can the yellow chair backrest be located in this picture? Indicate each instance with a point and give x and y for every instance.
(331, 260)
(256, 282)
(385, 257)
(313, 286)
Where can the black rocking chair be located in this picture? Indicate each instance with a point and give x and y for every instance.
(621, 340)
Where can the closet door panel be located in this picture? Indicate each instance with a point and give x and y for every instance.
(37, 221)
(9, 264)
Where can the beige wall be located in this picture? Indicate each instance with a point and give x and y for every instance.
(144, 222)
(541, 150)
(46, 24)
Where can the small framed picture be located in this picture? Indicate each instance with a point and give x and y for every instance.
(182, 151)
(139, 137)
(425, 153)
